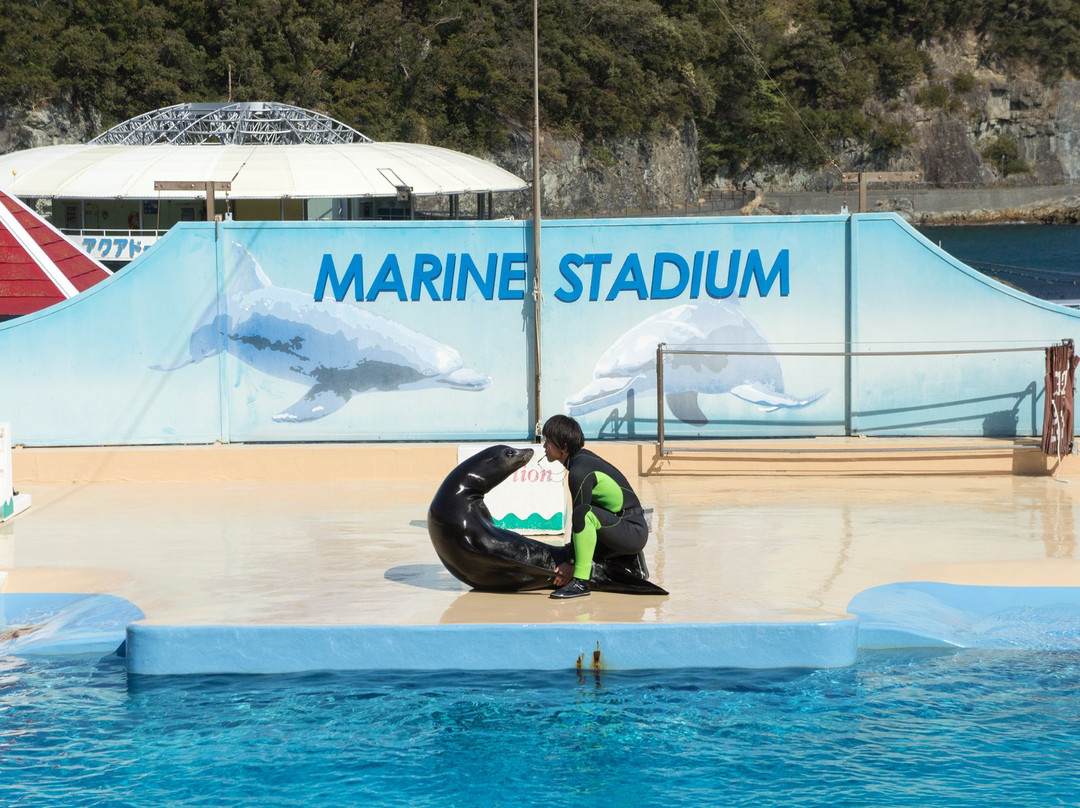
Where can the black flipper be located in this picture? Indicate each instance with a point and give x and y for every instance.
(626, 574)
(622, 580)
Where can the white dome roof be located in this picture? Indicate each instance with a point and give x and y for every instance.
(266, 150)
(303, 171)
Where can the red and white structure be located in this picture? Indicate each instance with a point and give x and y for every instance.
(38, 266)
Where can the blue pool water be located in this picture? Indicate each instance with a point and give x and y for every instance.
(954, 729)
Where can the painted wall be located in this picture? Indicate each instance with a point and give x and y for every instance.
(289, 331)
(346, 332)
(910, 295)
(82, 372)
(613, 290)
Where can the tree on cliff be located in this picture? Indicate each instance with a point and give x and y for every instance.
(767, 83)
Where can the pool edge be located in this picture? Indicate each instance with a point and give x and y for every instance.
(175, 650)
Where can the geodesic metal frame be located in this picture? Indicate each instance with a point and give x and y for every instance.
(258, 122)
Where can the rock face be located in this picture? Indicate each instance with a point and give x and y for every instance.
(635, 174)
(968, 103)
(1065, 145)
(1042, 121)
(948, 154)
(953, 117)
(44, 126)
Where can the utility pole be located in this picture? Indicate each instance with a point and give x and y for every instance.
(536, 216)
(210, 187)
(864, 178)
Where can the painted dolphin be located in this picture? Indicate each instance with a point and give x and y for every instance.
(630, 363)
(337, 350)
(484, 556)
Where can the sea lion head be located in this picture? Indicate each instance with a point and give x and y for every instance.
(485, 470)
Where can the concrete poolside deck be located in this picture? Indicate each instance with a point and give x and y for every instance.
(333, 538)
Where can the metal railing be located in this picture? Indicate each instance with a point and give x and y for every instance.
(663, 351)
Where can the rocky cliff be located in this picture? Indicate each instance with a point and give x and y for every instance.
(957, 117)
(47, 125)
(966, 106)
(969, 123)
(632, 175)
(962, 119)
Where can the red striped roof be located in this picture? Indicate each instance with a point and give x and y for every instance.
(25, 283)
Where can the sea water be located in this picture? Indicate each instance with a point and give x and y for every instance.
(1042, 260)
(955, 729)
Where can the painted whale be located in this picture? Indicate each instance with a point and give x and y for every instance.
(487, 557)
(334, 349)
(630, 364)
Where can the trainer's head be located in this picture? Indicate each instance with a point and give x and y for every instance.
(564, 433)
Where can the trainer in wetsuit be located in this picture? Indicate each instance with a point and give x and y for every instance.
(607, 518)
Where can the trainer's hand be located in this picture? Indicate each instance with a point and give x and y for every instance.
(563, 573)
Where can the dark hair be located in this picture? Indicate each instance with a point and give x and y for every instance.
(564, 432)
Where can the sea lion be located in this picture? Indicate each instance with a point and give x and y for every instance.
(484, 556)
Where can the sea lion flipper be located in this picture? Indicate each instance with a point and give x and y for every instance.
(625, 573)
(318, 402)
(620, 579)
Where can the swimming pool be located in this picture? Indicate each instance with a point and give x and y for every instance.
(900, 728)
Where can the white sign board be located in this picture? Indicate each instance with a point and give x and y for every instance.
(532, 499)
(9, 503)
(121, 246)
(7, 498)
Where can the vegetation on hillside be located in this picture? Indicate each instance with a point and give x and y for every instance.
(777, 81)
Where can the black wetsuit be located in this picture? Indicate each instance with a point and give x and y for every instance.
(607, 517)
